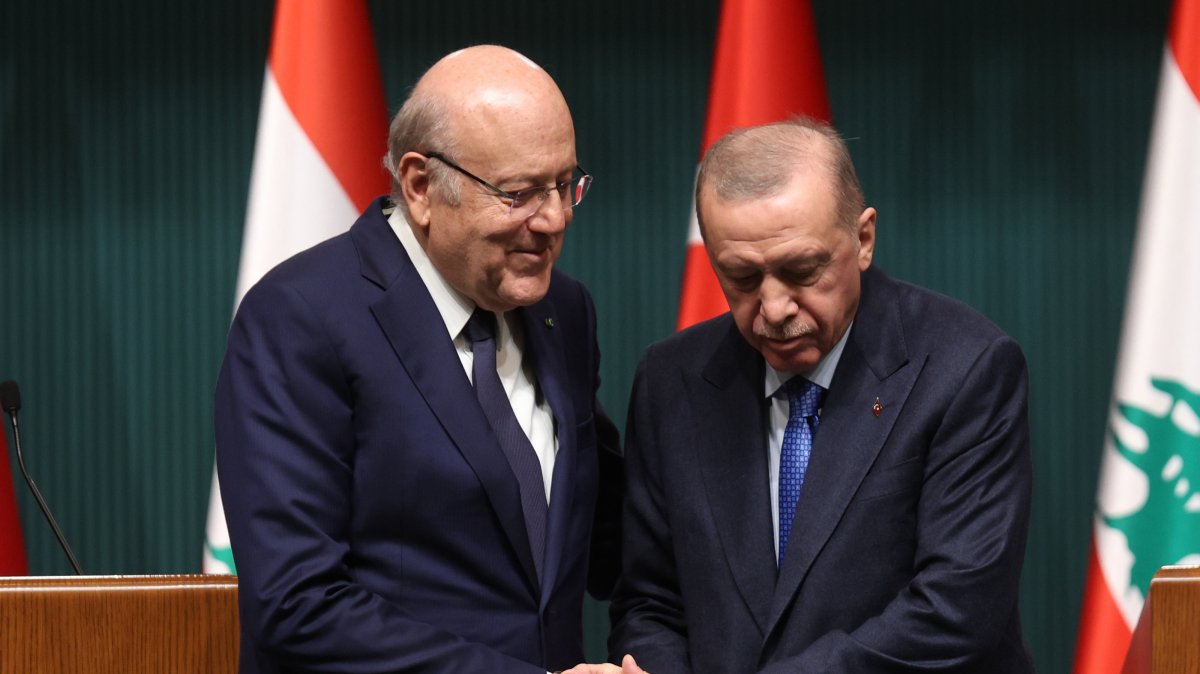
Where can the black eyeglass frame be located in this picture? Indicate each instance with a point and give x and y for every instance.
(520, 197)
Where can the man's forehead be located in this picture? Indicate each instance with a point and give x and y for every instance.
(772, 251)
(800, 207)
(473, 73)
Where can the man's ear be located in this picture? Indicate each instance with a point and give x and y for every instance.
(413, 175)
(866, 238)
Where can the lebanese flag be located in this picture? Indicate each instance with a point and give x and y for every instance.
(12, 545)
(1148, 502)
(767, 68)
(322, 132)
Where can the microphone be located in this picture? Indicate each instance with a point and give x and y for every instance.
(10, 401)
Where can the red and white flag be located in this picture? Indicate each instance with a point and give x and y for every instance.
(12, 544)
(322, 133)
(767, 67)
(1148, 501)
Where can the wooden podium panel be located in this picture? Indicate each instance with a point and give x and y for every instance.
(125, 624)
(1167, 638)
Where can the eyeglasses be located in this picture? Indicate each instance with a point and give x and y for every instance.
(522, 204)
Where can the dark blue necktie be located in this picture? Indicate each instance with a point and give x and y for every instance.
(804, 399)
(481, 330)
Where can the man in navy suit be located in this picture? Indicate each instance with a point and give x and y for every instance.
(835, 476)
(416, 472)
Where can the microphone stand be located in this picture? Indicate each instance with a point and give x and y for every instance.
(37, 495)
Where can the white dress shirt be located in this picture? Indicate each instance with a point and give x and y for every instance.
(516, 374)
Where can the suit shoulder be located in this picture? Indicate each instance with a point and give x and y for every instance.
(941, 319)
(313, 266)
(317, 261)
(694, 343)
(315, 277)
(897, 321)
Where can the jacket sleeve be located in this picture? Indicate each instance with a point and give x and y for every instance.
(604, 563)
(647, 612)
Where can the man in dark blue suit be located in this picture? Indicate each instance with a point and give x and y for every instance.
(835, 476)
(415, 469)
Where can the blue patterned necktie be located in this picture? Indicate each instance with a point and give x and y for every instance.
(522, 458)
(804, 399)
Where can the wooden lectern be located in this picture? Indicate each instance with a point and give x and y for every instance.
(1167, 638)
(126, 624)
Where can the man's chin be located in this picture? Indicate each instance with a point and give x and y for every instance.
(798, 356)
(524, 291)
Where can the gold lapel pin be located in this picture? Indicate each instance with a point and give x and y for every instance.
(549, 322)
(877, 408)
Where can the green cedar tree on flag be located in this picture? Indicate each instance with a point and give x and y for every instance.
(322, 132)
(1148, 502)
(12, 544)
(766, 68)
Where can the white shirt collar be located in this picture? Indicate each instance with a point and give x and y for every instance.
(454, 308)
(822, 374)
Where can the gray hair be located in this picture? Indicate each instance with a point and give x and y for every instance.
(759, 161)
(421, 125)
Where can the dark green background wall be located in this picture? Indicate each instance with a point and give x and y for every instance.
(1002, 142)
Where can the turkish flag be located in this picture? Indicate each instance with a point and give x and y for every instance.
(12, 544)
(767, 68)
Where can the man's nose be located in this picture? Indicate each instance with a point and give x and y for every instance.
(550, 217)
(776, 303)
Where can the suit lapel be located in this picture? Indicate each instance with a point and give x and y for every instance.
(542, 345)
(733, 461)
(874, 364)
(408, 316)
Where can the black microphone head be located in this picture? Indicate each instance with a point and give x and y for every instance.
(10, 397)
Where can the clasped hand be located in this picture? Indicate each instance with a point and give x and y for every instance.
(628, 666)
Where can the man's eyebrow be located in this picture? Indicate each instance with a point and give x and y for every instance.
(529, 180)
(814, 259)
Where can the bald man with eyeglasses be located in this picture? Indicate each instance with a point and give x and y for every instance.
(416, 472)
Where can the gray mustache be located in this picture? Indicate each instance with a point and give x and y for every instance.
(785, 331)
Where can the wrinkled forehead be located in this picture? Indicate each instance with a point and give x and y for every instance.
(805, 194)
